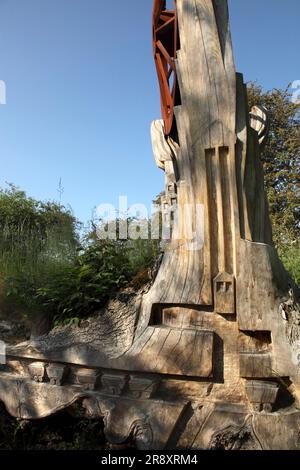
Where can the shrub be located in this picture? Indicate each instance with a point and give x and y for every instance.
(290, 256)
(43, 267)
(80, 289)
(37, 240)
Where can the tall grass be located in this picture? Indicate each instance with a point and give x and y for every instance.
(36, 241)
(44, 267)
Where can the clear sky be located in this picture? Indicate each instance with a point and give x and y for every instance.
(82, 91)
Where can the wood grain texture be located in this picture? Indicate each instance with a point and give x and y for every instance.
(195, 359)
(206, 123)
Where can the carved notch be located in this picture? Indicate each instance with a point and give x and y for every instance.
(224, 293)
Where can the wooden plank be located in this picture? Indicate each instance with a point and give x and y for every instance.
(167, 350)
(183, 358)
(153, 348)
(140, 343)
(255, 365)
(204, 353)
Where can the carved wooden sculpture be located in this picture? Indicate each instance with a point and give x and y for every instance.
(217, 335)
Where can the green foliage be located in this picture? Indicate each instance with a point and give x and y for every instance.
(37, 241)
(281, 160)
(83, 287)
(44, 268)
(290, 256)
(100, 270)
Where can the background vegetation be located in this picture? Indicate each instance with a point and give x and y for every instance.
(45, 265)
(281, 160)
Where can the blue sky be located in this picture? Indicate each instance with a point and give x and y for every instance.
(82, 91)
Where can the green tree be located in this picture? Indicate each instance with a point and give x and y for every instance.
(281, 161)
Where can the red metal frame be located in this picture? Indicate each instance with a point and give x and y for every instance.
(165, 46)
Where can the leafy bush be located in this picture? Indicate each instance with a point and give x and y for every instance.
(100, 270)
(37, 240)
(290, 256)
(43, 267)
(81, 288)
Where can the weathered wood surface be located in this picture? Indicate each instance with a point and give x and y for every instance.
(256, 365)
(196, 359)
(204, 159)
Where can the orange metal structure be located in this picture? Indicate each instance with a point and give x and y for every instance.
(165, 46)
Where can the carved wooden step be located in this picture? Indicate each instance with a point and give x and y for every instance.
(256, 365)
(171, 351)
(262, 394)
